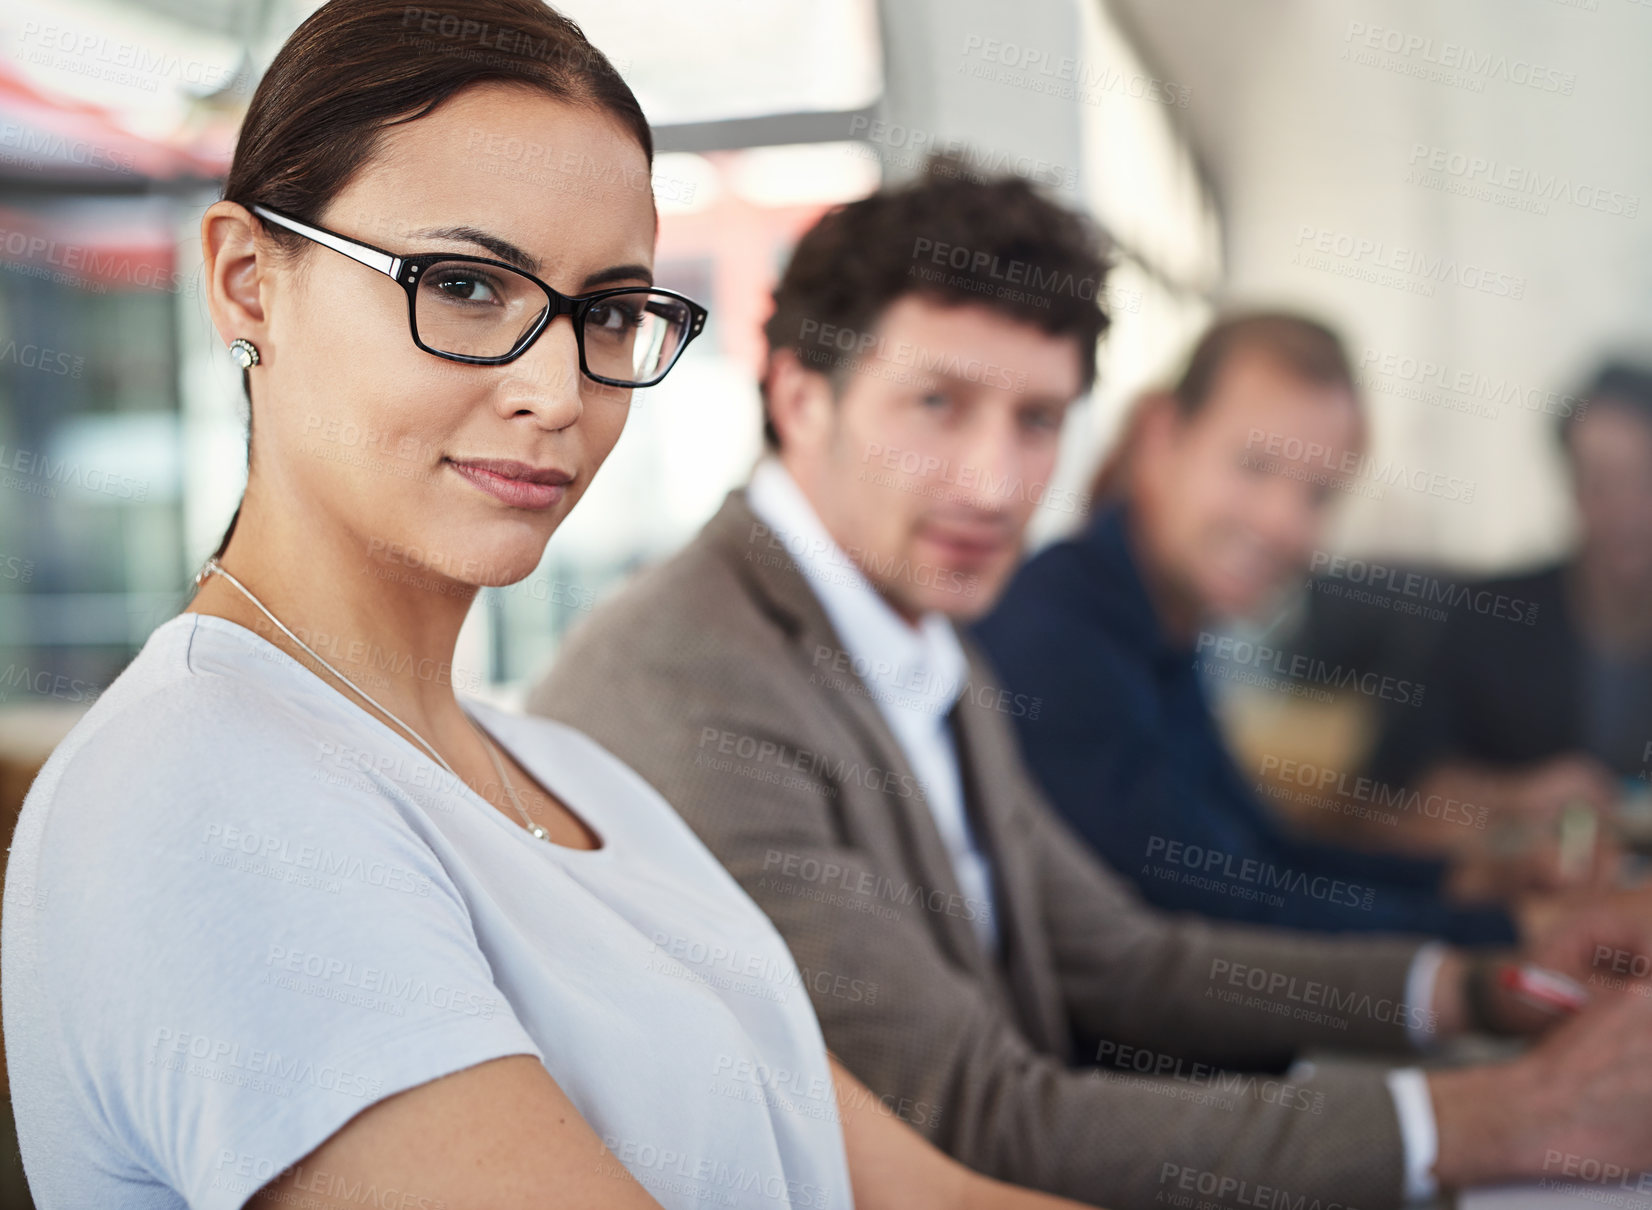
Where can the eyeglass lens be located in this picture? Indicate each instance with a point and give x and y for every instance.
(485, 311)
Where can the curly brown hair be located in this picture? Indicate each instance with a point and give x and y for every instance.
(951, 236)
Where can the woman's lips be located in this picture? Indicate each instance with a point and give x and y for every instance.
(516, 483)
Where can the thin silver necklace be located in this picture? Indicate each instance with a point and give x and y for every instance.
(213, 567)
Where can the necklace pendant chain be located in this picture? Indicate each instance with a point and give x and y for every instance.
(213, 567)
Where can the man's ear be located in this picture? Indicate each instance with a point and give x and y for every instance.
(800, 401)
(1149, 443)
(1149, 423)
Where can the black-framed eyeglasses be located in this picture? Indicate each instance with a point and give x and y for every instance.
(485, 312)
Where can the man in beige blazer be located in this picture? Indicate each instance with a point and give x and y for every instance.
(791, 682)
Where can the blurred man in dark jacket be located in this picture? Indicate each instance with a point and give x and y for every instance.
(1548, 701)
(1215, 504)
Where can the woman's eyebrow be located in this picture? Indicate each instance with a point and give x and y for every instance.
(502, 248)
(619, 273)
(528, 263)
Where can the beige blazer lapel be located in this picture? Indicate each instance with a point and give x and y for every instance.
(846, 705)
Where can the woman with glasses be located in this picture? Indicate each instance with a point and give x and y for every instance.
(303, 925)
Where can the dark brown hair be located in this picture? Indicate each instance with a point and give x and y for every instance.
(1304, 347)
(354, 68)
(951, 236)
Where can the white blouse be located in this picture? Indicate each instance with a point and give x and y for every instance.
(240, 908)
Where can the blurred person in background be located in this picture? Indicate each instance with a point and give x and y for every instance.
(1210, 507)
(1555, 711)
(794, 682)
(313, 929)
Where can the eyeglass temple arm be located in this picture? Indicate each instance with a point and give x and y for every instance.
(372, 257)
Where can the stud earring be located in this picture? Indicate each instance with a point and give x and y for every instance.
(244, 352)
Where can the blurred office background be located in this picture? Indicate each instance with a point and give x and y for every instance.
(1461, 188)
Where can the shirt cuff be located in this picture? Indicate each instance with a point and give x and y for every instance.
(1418, 1135)
(1419, 993)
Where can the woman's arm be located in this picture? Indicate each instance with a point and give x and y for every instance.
(893, 1167)
(500, 1135)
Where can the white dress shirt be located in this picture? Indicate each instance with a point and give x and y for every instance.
(915, 674)
(1418, 1130)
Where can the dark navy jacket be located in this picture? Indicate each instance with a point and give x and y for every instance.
(1126, 748)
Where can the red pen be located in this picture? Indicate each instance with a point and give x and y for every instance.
(1544, 988)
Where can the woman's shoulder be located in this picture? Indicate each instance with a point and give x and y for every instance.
(196, 783)
(188, 692)
(203, 720)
